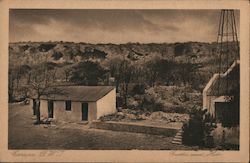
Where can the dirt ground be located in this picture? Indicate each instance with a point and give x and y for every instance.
(24, 135)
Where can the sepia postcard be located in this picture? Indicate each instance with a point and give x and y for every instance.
(124, 81)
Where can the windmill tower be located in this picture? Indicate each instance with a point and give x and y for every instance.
(227, 43)
(223, 87)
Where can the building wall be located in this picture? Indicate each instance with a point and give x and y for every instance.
(208, 100)
(30, 106)
(107, 104)
(92, 115)
(44, 108)
(104, 106)
(60, 113)
(208, 103)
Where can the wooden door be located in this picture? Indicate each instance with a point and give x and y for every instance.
(50, 109)
(34, 107)
(85, 111)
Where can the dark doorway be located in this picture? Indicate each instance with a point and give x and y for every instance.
(227, 114)
(50, 108)
(34, 107)
(85, 110)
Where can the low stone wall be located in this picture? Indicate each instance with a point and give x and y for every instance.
(127, 127)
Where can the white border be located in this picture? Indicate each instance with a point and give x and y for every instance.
(130, 155)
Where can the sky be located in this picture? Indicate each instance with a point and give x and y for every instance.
(114, 26)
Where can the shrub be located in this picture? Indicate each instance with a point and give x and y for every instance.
(57, 55)
(179, 109)
(88, 73)
(46, 47)
(119, 102)
(181, 49)
(150, 104)
(193, 131)
(139, 89)
(198, 129)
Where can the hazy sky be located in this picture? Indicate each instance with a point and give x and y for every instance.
(114, 26)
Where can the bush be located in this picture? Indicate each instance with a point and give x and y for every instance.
(198, 130)
(179, 109)
(193, 131)
(181, 49)
(57, 55)
(119, 102)
(150, 104)
(88, 73)
(158, 107)
(139, 89)
(46, 47)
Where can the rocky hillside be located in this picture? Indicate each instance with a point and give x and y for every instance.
(166, 65)
(65, 53)
(60, 52)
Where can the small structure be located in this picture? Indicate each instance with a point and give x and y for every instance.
(221, 99)
(221, 96)
(79, 103)
(221, 89)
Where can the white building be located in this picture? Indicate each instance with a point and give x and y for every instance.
(221, 99)
(217, 93)
(79, 103)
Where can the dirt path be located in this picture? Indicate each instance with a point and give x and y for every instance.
(24, 135)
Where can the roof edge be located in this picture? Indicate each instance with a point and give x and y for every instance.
(106, 93)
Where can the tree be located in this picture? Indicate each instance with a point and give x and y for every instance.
(127, 74)
(115, 66)
(11, 85)
(42, 85)
(159, 70)
(151, 72)
(123, 72)
(168, 71)
(88, 73)
(139, 74)
(67, 72)
(182, 49)
(57, 55)
(186, 72)
(46, 47)
(15, 75)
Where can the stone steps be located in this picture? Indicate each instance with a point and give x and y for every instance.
(178, 137)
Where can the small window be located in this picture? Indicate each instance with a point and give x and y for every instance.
(68, 105)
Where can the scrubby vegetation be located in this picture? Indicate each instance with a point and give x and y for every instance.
(138, 115)
(87, 73)
(148, 77)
